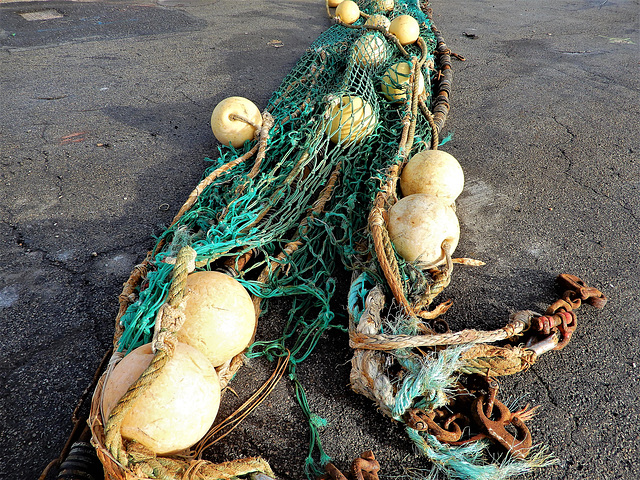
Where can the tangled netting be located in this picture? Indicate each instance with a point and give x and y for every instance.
(240, 213)
(237, 214)
(299, 208)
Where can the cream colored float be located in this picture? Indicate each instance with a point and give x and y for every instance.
(370, 50)
(179, 406)
(334, 3)
(394, 84)
(434, 172)
(378, 20)
(220, 318)
(352, 120)
(423, 229)
(227, 121)
(405, 28)
(382, 5)
(348, 11)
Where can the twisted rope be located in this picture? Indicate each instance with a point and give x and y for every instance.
(169, 321)
(128, 295)
(492, 361)
(368, 375)
(367, 366)
(386, 196)
(113, 438)
(518, 323)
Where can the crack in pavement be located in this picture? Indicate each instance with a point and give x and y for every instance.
(627, 209)
(547, 388)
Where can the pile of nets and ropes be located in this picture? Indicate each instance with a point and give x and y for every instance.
(283, 214)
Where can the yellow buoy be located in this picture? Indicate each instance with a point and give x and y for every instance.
(405, 28)
(351, 120)
(378, 21)
(382, 5)
(434, 172)
(228, 121)
(348, 11)
(423, 229)
(179, 406)
(219, 316)
(395, 82)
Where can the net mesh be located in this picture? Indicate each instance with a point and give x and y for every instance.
(329, 113)
(339, 114)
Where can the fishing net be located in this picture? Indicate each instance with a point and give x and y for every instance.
(330, 123)
(284, 213)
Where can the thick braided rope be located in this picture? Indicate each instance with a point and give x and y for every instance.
(382, 242)
(435, 136)
(267, 124)
(146, 465)
(128, 295)
(367, 366)
(440, 104)
(170, 317)
(367, 374)
(168, 322)
(185, 264)
(519, 322)
(137, 461)
(492, 361)
(228, 470)
(113, 439)
(441, 281)
(415, 68)
(386, 259)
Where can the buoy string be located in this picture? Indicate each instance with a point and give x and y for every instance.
(267, 123)
(435, 140)
(235, 116)
(233, 420)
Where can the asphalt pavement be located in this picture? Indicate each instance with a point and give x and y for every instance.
(104, 111)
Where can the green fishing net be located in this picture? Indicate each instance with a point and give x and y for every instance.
(338, 122)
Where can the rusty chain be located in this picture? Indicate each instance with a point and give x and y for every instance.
(475, 413)
(365, 467)
(560, 321)
(488, 419)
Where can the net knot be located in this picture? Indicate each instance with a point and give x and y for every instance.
(168, 321)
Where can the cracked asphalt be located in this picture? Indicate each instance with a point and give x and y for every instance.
(103, 132)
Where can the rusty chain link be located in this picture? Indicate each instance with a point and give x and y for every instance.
(560, 321)
(475, 413)
(365, 467)
(520, 443)
(488, 419)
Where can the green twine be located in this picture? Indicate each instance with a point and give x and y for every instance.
(357, 294)
(429, 379)
(465, 462)
(236, 213)
(446, 139)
